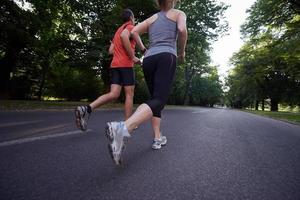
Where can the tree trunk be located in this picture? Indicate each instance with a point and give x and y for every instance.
(256, 105)
(187, 95)
(274, 105)
(4, 79)
(7, 64)
(263, 105)
(188, 85)
(238, 105)
(105, 73)
(41, 86)
(43, 78)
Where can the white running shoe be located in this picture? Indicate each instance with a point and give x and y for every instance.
(158, 143)
(114, 133)
(82, 117)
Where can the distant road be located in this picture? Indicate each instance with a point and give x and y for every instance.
(211, 154)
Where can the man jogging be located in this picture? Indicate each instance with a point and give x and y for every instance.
(121, 72)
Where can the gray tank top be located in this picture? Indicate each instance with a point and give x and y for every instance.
(162, 35)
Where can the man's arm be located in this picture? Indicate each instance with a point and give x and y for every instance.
(111, 48)
(126, 43)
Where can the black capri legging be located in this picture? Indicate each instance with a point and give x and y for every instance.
(159, 73)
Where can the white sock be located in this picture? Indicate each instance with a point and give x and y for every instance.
(125, 131)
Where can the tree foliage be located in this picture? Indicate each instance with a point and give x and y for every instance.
(268, 65)
(205, 21)
(59, 48)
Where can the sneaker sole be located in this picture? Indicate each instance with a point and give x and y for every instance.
(164, 143)
(117, 162)
(156, 148)
(78, 122)
(161, 145)
(108, 133)
(110, 137)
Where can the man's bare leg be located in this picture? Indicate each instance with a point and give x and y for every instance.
(129, 94)
(113, 94)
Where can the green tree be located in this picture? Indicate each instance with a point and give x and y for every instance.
(17, 30)
(205, 21)
(207, 89)
(59, 48)
(268, 65)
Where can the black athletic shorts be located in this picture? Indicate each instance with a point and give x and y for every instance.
(123, 76)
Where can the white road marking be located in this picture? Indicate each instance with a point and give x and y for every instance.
(45, 129)
(19, 123)
(32, 139)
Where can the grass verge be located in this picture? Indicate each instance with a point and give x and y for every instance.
(285, 116)
(46, 105)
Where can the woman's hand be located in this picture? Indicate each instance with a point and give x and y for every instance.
(181, 57)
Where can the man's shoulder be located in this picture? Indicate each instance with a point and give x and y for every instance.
(129, 26)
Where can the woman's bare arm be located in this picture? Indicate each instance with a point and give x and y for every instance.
(140, 29)
(182, 34)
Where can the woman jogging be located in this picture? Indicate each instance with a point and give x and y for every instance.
(121, 72)
(159, 66)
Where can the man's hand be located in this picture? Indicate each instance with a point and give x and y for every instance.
(136, 60)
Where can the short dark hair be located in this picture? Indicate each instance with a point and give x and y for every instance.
(126, 14)
(161, 3)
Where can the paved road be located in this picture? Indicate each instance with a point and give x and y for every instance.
(211, 154)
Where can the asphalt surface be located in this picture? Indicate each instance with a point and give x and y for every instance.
(210, 154)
